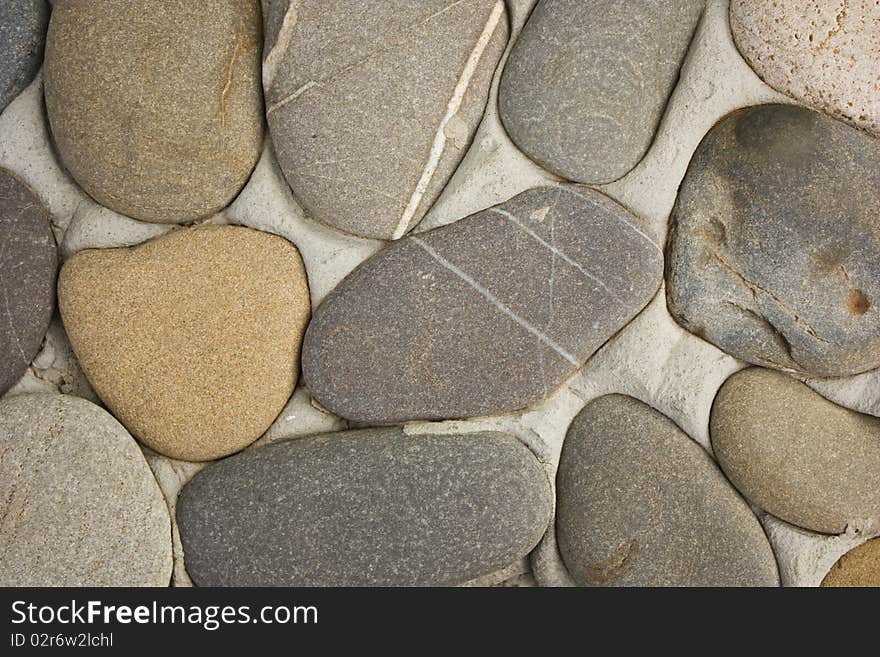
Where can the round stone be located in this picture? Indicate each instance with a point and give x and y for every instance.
(857, 568)
(22, 35)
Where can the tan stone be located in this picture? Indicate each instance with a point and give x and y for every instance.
(192, 339)
(859, 567)
(156, 105)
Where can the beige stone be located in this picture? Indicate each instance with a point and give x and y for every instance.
(858, 568)
(156, 105)
(192, 339)
(824, 54)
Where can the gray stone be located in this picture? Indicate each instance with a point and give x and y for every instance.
(824, 54)
(372, 105)
(797, 455)
(588, 81)
(488, 315)
(365, 508)
(28, 265)
(156, 105)
(80, 506)
(774, 252)
(22, 36)
(641, 504)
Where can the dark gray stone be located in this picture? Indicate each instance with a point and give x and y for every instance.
(372, 105)
(641, 504)
(796, 455)
(774, 252)
(488, 315)
(588, 81)
(365, 508)
(22, 36)
(28, 266)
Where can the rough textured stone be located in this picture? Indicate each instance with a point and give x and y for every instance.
(774, 253)
(860, 567)
(588, 81)
(192, 339)
(156, 105)
(372, 105)
(640, 504)
(824, 54)
(28, 265)
(22, 35)
(485, 316)
(365, 508)
(79, 504)
(797, 455)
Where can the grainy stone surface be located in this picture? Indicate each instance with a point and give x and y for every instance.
(156, 105)
(371, 105)
(824, 54)
(485, 316)
(774, 253)
(858, 568)
(22, 36)
(640, 504)
(588, 81)
(28, 266)
(365, 508)
(192, 339)
(797, 455)
(80, 507)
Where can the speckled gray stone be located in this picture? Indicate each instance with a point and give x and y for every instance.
(488, 315)
(372, 105)
(22, 35)
(28, 265)
(641, 504)
(797, 455)
(156, 106)
(364, 508)
(588, 81)
(774, 252)
(79, 503)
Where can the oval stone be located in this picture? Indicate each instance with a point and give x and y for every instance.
(365, 508)
(28, 266)
(641, 504)
(587, 82)
(372, 105)
(857, 568)
(191, 339)
(22, 35)
(488, 315)
(824, 54)
(80, 506)
(774, 250)
(156, 105)
(796, 455)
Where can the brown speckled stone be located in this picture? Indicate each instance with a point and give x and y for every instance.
(641, 504)
(156, 105)
(857, 568)
(192, 339)
(28, 265)
(825, 54)
(797, 455)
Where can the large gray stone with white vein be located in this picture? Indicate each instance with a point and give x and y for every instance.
(488, 315)
(774, 252)
(588, 81)
(365, 508)
(641, 504)
(28, 265)
(372, 105)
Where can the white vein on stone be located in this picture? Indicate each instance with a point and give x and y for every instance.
(282, 42)
(452, 109)
(555, 251)
(491, 298)
(635, 228)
